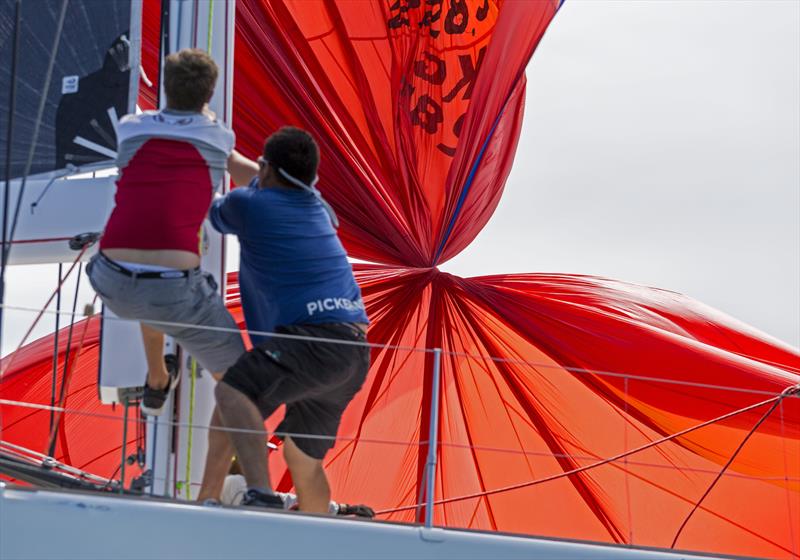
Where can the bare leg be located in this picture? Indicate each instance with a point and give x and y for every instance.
(157, 376)
(238, 412)
(218, 460)
(313, 491)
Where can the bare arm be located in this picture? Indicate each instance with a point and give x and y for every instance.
(241, 168)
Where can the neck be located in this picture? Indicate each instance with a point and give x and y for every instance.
(180, 111)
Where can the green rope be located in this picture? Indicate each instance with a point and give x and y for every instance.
(192, 385)
(210, 24)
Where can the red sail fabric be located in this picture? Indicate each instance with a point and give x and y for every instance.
(151, 48)
(404, 98)
(554, 400)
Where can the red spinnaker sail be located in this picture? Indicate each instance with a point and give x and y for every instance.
(571, 406)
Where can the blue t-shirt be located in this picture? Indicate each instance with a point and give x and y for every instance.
(293, 267)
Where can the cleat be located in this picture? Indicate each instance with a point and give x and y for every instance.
(154, 400)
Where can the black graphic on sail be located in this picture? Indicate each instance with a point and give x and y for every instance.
(93, 81)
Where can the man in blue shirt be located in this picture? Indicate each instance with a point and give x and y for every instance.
(295, 279)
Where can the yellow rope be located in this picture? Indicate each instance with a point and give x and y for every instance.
(210, 24)
(192, 386)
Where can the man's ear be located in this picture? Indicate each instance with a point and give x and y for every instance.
(263, 173)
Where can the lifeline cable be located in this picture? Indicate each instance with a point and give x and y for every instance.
(611, 459)
(376, 345)
(416, 443)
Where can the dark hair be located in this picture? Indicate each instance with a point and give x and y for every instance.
(295, 151)
(189, 79)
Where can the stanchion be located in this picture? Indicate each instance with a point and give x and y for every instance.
(124, 458)
(433, 444)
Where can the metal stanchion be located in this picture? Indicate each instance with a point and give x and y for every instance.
(430, 466)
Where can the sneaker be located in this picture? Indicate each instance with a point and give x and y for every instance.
(153, 400)
(359, 510)
(258, 498)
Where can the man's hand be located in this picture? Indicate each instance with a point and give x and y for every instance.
(209, 113)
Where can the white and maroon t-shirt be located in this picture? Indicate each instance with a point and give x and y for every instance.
(170, 163)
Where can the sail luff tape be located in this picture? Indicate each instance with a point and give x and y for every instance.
(297, 182)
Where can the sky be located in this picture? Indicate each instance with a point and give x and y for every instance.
(661, 146)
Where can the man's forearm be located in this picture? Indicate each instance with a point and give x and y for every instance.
(241, 168)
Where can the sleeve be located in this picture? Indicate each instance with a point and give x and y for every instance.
(228, 213)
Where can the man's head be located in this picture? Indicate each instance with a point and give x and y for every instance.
(189, 79)
(293, 150)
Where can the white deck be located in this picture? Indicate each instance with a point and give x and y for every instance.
(38, 524)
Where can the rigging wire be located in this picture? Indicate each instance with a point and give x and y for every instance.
(790, 390)
(56, 337)
(380, 346)
(12, 103)
(64, 377)
(37, 123)
(65, 381)
(377, 441)
(614, 458)
(40, 313)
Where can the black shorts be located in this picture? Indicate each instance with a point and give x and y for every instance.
(316, 380)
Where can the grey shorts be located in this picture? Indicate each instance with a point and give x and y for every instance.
(191, 300)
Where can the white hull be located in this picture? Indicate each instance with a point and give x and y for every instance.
(39, 524)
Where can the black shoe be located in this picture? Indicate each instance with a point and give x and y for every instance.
(153, 400)
(359, 510)
(256, 498)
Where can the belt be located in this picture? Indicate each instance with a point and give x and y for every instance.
(147, 274)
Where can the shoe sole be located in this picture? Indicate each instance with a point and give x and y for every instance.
(147, 411)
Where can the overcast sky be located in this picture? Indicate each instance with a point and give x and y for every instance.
(661, 145)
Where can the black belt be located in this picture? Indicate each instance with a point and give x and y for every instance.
(148, 274)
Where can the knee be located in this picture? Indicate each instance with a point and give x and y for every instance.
(301, 465)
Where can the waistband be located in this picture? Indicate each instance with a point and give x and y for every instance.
(357, 331)
(168, 274)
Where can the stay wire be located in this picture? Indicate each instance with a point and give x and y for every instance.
(40, 313)
(37, 125)
(54, 379)
(68, 375)
(12, 107)
(64, 378)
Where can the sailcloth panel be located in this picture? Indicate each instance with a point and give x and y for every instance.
(406, 99)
